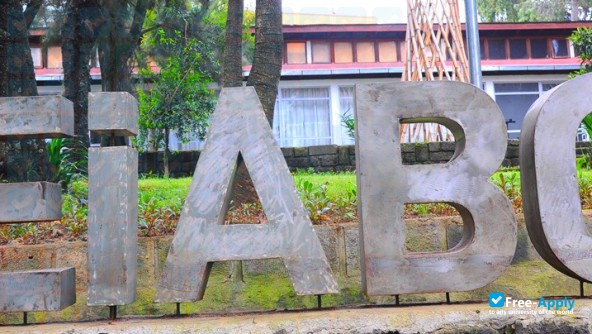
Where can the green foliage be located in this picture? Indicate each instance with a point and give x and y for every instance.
(75, 209)
(180, 99)
(349, 122)
(68, 160)
(498, 10)
(315, 200)
(532, 10)
(582, 42)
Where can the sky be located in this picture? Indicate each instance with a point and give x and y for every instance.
(385, 11)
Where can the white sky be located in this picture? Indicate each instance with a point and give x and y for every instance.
(386, 11)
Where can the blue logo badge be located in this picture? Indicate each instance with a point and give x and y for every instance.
(497, 299)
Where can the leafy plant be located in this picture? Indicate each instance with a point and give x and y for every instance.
(68, 160)
(349, 123)
(582, 42)
(316, 200)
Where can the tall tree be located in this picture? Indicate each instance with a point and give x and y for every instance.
(118, 39)
(20, 160)
(269, 50)
(232, 66)
(498, 10)
(79, 32)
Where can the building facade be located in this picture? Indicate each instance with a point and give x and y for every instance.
(322, 64)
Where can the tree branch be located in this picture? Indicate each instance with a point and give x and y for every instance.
(31, 11)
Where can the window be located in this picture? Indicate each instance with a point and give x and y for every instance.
(37, 57)
(296, 53)
(403, 53)
(321, 52)
(303, 117)
(518, 49)
(387, 52)
(344, 52)
(482, 46)
(497, 49)
(54, 57)
(365, 52)
(514, 99)
(538, 48)
(559, 48)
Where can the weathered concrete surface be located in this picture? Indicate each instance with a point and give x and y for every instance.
(385, 185)
(238, 127)
(112, 225)
(38, 290)
(550, 184)
(113, 114)
(267, 285)
(418, 319)
(36, 117)
(30, 202)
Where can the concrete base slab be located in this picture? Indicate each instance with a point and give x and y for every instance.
(39, 290)
(415, 319)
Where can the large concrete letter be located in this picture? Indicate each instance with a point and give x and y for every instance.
(239, 126)
(385, 186)
(113, 202)
(35, 117)
(550, 189)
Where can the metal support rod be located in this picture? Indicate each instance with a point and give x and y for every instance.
(319, 301)
(447, 297)
(178, 312)
(25, 318)
(581, 288)
(396, 299)
(112, 312)
(473, 42)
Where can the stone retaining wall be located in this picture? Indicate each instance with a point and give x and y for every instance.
(266, 284)
(332, 157)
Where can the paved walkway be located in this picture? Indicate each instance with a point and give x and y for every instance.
(409, 319)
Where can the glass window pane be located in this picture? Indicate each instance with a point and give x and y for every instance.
(517, 87)
(538, 48)
(518, 49)
(387, 51)
(54, 57)
(296, 53)
(549, 86)
(365, 52)
(482, 45)
(303, 117)
(514, 108)
(321, 52)
(343, 52)
(37, 57)
(403, 48)
(559, 47)
(497, 49)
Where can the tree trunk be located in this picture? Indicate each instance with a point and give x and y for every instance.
(232, 67)
(79, 32)
(117, 44)
(20, 160)
(166, 153)
(269, 50)
(574, 15)
(265, 76)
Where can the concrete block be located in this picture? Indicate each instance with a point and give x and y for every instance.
(300, 151)
(30, 202)
(112, 225)
(39, 290)
(113, 113)
(36, 117)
